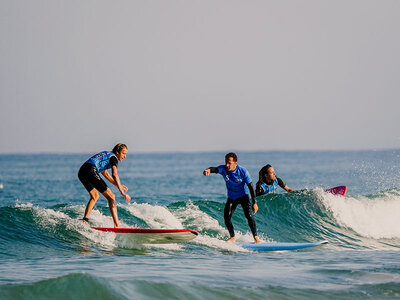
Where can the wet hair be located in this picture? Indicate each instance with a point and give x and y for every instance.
(262, 172)
(231, 154)
(119, 147)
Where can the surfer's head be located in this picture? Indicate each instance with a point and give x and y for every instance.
(267, 174)
(231, 161)
(120, 151)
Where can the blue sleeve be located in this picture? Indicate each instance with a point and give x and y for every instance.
(247, 178)
(221, 169)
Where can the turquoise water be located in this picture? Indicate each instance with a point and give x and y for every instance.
(46, 252)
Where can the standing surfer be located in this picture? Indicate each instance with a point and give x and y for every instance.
(238, 184)
(268, 181)
(89, 176)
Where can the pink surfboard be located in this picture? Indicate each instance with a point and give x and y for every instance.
(154, 236)
(338, 190)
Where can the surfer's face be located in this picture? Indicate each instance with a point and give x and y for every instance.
(230, 164)
(122, 154)
(270, 175)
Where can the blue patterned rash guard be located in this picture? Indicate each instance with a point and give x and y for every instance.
(236, 181)
(262, 188)
(103, 161)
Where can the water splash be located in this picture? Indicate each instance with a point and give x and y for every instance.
(375, 217)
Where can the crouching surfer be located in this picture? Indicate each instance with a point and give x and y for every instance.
(268, 182)
(89, 176)
(238, 183)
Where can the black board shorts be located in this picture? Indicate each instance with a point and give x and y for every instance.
(91, 179)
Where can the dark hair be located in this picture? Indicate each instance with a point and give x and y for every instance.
(262, 172)
(231, 154)
(118, 148)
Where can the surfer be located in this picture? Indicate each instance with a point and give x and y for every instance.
(268, 181)
(89, 176)
(238, 184)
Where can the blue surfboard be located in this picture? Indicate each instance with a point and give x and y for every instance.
(279, 246)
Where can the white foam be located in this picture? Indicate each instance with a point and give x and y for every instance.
(48, 218)
(217, 243)
(375, 218)
(195, 218)
(155, 216)
(192, 214)
(45, 216)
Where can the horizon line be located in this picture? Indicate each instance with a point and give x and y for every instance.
(205, 151)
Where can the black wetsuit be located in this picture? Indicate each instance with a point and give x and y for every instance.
(229, 209)
(231, 205)
(90, 178)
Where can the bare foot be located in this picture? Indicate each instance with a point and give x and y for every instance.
(256, 240)
(231, 239)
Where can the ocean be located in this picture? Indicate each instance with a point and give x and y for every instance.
(46, 252)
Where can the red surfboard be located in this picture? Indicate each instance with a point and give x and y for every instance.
(337, 190)
(154, 236)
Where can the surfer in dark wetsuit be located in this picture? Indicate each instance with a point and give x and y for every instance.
(89, 176)
(238, 183)
(268, 181)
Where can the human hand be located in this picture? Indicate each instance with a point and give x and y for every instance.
(206, 172)
(127, 198)
(255, 208)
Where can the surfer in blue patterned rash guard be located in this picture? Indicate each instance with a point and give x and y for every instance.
(238, 184)
(89, 176)
(268, 181)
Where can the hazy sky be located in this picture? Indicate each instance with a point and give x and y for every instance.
(80, 76)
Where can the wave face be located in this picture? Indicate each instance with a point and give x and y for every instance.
(45, 248)
(360, 222)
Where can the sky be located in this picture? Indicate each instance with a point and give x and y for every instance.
(193, 76)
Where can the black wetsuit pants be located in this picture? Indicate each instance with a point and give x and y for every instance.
(230, 207)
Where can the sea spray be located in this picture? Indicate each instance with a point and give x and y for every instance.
(375, 217)
(154, 215)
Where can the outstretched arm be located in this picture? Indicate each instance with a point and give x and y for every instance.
(207, 172)
(288, 189)
(253, 197)
(283, 185)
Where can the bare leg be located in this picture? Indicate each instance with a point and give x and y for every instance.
(112, 205)
(94, 196)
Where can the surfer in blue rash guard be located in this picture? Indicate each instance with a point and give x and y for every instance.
(238, 183)
(89, 176)
(268, 181)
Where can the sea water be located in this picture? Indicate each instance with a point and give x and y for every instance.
(46, 252)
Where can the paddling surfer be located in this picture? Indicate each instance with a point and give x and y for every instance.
(89, 175)
(268, 182)
(238, 184)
